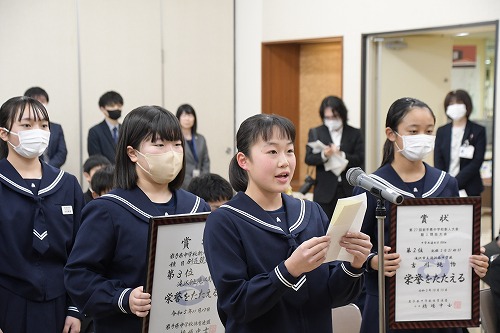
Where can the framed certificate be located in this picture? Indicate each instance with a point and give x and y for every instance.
(435, 286)
(183, 296)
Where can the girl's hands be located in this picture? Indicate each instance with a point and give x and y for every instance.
(391, 262)
(308, 256)
(357, 244)
(139, 302)
(480, 263)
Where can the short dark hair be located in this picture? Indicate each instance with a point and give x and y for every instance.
(110, 98)
(33, 92)
(188, 109)
(459, 96)
(95, 160)
(260, 126)
(145, 123)
(14, 109)
(211, 187)
(336, 104)
(102, 180)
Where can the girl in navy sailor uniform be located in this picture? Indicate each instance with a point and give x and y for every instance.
(40, 214)
(265, 249)
(409, 128)
(106, 269)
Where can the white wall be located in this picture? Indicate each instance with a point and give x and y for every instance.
(161, 52)
(285, 20)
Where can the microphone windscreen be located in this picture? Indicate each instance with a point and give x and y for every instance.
(353, 174)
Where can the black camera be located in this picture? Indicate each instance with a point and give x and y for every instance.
(308, 183)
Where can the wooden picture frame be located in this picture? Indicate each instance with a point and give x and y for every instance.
(435, 287)
(182, 292)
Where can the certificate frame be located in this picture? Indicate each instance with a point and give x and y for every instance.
(438, 304)
(163, 263)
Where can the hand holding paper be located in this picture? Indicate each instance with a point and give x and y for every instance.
(348, 216)
(336, 163)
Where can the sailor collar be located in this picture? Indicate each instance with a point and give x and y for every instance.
(51, 179)
(434, 181)
(241, 205)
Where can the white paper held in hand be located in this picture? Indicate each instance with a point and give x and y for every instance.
(335, 164)
(348, 216)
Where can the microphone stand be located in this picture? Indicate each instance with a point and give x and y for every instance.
(380, 214)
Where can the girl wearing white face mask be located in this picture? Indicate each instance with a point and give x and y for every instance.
(39, 217)
(461, 144)
(105, 276)
(409, 130)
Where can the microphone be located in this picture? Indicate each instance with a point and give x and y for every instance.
(357, 177)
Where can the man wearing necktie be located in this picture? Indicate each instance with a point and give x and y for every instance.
(103, 137)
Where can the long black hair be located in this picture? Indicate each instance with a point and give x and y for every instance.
(397, 111)
(260, 126)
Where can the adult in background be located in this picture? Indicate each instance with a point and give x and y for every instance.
(103, 137)
(460, 144)
(56, 152)
(341, 142)
(197, 160)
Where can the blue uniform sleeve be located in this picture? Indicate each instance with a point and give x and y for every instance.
(84, 275)
(72, 309)
(240, 296)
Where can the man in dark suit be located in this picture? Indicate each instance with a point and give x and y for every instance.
(56, 152)
(340, 139)
(103, 137)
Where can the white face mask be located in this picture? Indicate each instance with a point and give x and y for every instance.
(32, 143)
(163, 168)
(333, 124)
(456, 111)
(416, 147)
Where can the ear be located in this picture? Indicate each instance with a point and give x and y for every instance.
(103, 110)
(132, 154)
(4, 135)
(87, 176)
(242, 161)
(391, 136)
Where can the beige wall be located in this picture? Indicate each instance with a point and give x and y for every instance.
(162, 52)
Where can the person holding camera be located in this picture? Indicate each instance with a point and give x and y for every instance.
(341, 142)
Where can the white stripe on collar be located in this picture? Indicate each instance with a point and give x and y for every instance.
(42, 191)
(54, 183)
(436, 186)
(271, 226)
(196, 205)
(301, 216)
(22, 188)
(114, 196)
(392, 187)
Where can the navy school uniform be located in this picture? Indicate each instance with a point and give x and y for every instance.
(435, 183)
(31, 284)
(109, 257)
(246, 248)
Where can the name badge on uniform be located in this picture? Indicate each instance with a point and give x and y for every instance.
(466, 152)
(67, 210)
